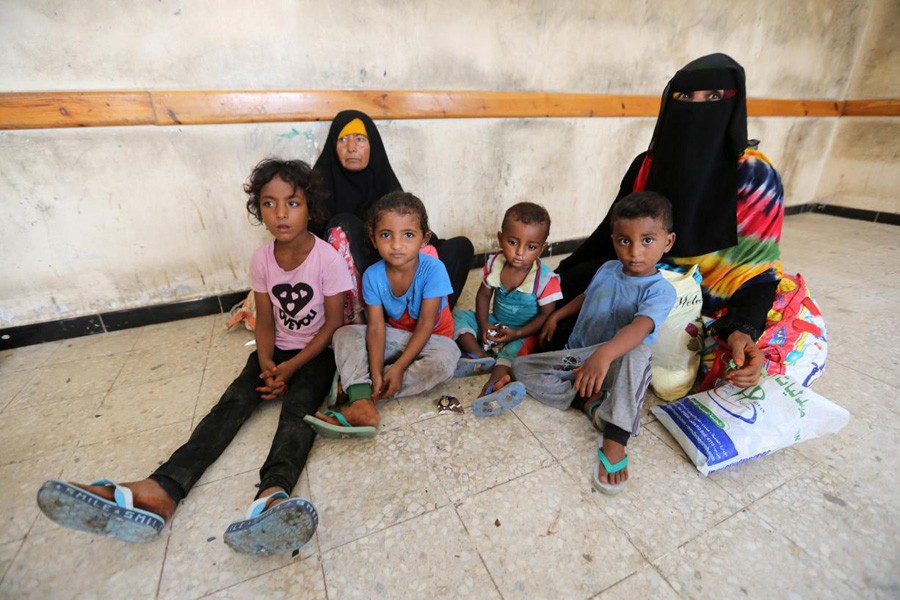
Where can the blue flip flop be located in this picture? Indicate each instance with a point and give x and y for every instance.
(76, 508)
(469, 365)
(607, 488)
(505, 399)
(344, 430)
(283, 528)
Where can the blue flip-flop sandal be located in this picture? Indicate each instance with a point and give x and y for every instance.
(76, 508)
(281, 529)
(470, 364)
(607, 488)
(505, 399)
(344, 430)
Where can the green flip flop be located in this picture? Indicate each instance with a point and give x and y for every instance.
(344, 430)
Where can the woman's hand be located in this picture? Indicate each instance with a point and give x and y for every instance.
(748, 358)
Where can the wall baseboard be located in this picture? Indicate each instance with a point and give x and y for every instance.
(51, 331)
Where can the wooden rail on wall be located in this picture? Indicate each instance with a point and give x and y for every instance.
(40, 110)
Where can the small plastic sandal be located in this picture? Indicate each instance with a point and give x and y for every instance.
(607, 488)
(505, 399)
(470, 364)
(76, 508)
(283, 528)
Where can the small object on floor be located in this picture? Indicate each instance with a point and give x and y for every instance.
(283, 528)
(469, 365)
(505, 399)
(344, 430)
(447, 405)
(76, 508)
(607, 488)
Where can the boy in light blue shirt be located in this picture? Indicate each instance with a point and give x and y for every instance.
(605, 368)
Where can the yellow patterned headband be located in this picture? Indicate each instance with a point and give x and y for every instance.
(354, 126)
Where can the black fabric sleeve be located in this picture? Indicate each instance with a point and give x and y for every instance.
(598, 246)
(747, 311)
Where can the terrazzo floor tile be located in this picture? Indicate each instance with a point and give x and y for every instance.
(13, 383)
(154, 364)
(144, 406)
(59, 382)
(26, 358)
(427, 557)
(229, 347)
(92, 346)
(743, 557)
(198, 561)
(470, 454)
(177, 333)
(19, 483)
(666, 503)
(363, 486)
(562, 432)
(62, 564)
(45, 428)
(753, 480)
(300, 580)
(8, 553)
(519, 525)
(646, 583)
(856, 524)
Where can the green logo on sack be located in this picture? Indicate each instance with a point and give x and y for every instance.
(710, 414)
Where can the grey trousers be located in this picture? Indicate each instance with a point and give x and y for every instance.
(626, 381)
(434, 365)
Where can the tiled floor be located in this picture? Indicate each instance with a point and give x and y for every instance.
(453, 506)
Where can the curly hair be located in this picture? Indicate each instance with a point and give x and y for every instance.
(402, 203)
(644, 204)
(528, 213)
(294, 172)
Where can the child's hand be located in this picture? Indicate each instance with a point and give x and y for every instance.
(272, 387)
(504, 335)
(590, 375)
(548, 329)
(377, 385)
(393, 379)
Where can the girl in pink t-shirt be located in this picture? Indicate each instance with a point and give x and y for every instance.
(299, 283)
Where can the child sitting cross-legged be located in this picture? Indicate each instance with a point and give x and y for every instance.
(406, 347)
(604, 370)
(524, 292)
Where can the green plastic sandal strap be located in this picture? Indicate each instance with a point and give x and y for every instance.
(611, 468)
(594, 407)
(341, 418)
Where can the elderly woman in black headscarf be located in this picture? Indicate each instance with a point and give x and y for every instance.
(727, 201)
(357, 172)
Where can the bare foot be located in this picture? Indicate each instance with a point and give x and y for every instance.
(614, 452)
(148, 495)
(273, 501)
(498, 385)
(361, 413)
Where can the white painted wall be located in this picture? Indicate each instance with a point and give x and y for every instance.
(105, 218)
